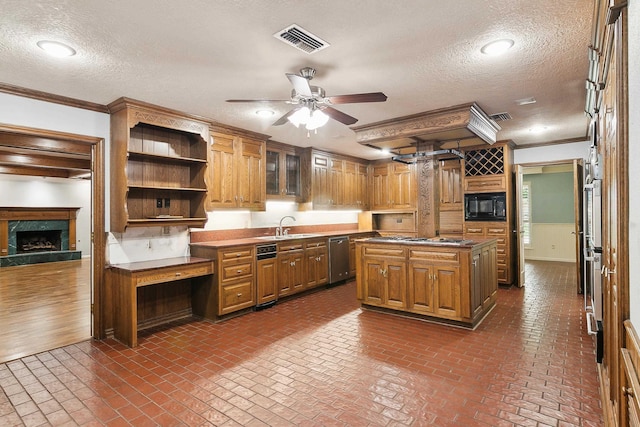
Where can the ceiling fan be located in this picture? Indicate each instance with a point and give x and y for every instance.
(314, 108)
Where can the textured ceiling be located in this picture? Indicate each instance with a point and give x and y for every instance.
(424, 55)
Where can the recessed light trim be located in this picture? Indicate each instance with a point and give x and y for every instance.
(497, 47)
(57, 49)
(265, 113)
(538, 129)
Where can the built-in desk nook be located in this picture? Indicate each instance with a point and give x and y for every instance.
(185, 282)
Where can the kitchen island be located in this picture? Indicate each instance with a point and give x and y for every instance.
(446, 280)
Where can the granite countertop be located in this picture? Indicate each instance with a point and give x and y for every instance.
(272, 239)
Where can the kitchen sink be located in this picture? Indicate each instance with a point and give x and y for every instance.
(289, 236)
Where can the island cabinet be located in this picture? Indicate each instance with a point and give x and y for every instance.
(237, 170)
(451, 283)
(233, 287)
(158, 166)
(501, 232)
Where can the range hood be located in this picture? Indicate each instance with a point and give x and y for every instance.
(447, 128)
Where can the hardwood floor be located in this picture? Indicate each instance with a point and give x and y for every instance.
(44, 306)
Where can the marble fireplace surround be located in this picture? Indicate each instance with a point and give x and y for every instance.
(17, 219)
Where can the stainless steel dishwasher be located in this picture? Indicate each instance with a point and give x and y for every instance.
(338, 259)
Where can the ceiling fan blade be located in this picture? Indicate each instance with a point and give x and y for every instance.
(338, 115)
(300, 84)
(257, 100)
(282, 120)
(357, 97)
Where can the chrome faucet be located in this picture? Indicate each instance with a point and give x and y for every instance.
(279, 231)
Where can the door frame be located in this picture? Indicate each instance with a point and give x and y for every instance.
(49, 140)
(578, 208)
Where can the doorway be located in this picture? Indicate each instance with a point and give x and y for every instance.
(40, 154)
(549, 213)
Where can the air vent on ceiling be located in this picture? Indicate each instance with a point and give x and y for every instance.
(301, 39)
(500, 117)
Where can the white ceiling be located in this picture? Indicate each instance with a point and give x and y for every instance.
(424, 55)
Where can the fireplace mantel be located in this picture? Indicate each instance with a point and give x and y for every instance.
(9, 214)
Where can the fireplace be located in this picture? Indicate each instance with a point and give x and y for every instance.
(37, 235)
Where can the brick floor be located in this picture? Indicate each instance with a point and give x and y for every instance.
(320, 360)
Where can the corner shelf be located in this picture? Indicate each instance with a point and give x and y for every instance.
(158, 166)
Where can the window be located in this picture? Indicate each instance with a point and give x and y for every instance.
(526, 213)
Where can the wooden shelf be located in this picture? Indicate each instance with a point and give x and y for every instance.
(159, 163)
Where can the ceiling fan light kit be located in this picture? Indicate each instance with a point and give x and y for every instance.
(314, 109)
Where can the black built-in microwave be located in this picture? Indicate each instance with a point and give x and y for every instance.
(485, 207)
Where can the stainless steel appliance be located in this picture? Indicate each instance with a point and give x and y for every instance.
(485, 207)
(592, 211)
(338, 259)
(265, 254)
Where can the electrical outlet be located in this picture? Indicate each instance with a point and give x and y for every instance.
(158, 203)
(167, 203)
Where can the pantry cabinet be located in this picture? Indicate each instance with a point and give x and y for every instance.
(237, 171)
(158, 166)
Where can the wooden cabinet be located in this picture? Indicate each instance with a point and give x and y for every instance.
(394, 186)
(451, 198)
(234, 284)
(266, 280)
(336, 182)
(384, 276)
(291, 277)
(283, 172)
(489, 170)
(501, 232)
(236, 279)
(237, 172)
(158, 166)
(457, 284)
(317, 262)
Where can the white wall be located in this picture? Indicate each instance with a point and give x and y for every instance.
(634, 155)
(552, 153)
(23, 191)
(551, 242)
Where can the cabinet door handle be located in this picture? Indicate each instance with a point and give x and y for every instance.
(239, 271)
(236, 197)
(239, 295)
(178, 274)
(292, 263)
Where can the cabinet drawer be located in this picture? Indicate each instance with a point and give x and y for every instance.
(287, 247)
(503, 274)
(236, 296)
(380, 251)
(316, 243)
(475, 231)
(496, 231)
(144, 279)
(485, 183)
(437, 256)
(241, 254)
(231, 272)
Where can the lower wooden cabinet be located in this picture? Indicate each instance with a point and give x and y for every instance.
(501, 232)
(234, 284)
(291, 277)
(458, 284)
(266, 280)
(316, 256)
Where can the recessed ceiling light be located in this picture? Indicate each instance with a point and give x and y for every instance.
(385, 151)
(497, 47)
(537, 129)
(265, 113)
(56, 49)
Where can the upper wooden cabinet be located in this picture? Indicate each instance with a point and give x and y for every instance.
(394, 186)
(283, 172)
(336, 182)
(158, 166)
(237, 171)
(487, 169)
(451, 200)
